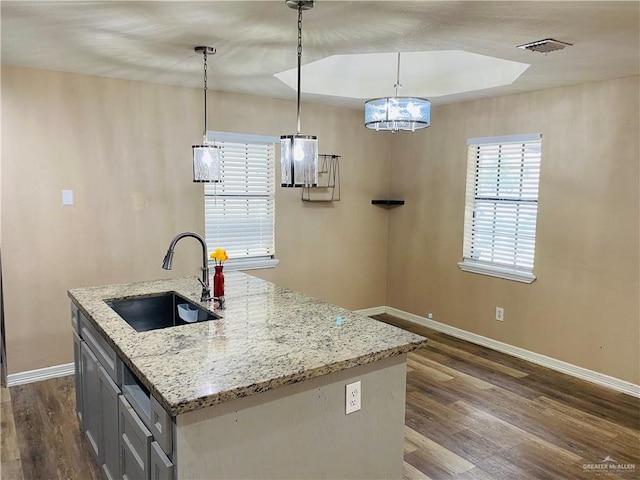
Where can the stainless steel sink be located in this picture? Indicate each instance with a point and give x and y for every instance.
(158, 311)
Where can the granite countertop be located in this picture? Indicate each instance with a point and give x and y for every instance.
(268, 336)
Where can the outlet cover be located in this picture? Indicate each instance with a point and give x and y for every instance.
(353, 397)
(500, 314)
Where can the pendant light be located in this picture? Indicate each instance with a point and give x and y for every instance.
(299, 153)
(397, 113)
(206, 157)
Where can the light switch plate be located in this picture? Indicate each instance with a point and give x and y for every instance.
(67, 197)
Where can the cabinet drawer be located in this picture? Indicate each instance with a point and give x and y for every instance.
(74, 318)
(135, 441)
(161, 466)
(161, 426)
(99, 345)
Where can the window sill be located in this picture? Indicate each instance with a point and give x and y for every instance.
(495, 271)
(248, 264)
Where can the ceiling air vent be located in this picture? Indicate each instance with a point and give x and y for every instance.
(545, 46)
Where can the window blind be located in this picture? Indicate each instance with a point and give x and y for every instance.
(240, 211)
(501, 206)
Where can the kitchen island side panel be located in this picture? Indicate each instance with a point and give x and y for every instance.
(301, 430)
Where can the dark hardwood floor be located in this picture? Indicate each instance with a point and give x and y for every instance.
(471, 413)
(474, 413)
(50, 443)
(10, 465)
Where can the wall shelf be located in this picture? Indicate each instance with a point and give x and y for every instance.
(328, 188)
(387, 203)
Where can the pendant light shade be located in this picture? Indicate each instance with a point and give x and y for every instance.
(206, 157)
(299, 153)
(299, 160)
(206, 163)
(397, 113)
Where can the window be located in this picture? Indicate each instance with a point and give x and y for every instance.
(501, 206)
(240, 211)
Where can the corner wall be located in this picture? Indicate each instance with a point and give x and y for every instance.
(584, 306)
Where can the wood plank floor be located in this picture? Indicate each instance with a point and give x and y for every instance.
(471, 413)
(474, 413)
(50, 443)
(10, 465)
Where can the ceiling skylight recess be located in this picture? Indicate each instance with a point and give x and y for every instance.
(424, 74)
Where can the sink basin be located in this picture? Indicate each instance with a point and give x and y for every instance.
(158, 311)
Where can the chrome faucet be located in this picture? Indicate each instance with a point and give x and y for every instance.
(168, 258)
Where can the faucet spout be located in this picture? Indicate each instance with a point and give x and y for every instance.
(168, 259)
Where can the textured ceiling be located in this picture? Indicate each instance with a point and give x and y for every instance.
(153, 41)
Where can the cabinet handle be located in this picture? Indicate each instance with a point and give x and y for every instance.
(156, 422)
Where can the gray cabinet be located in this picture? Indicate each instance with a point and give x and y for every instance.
(160, 467)
(135, 443)
(74, 318)
(126, 444)
(77, 342)
(91, 418)
(109, 392)
(161, 426)
(99, 345)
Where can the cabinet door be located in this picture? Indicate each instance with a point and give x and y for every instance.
(161, 467)
(77, 366)
(135, 442)
(109, 392)
(90, 399)
(161, 426)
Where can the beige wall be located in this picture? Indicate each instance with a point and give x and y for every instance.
(114, 142)
(281, 426)
(583, 307)
(124, 149)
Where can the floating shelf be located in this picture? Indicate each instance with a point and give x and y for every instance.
(328, 188)
(387, 203)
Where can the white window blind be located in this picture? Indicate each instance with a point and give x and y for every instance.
(240, 211)
(501, 206)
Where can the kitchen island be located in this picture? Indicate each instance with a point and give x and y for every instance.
(260, 392)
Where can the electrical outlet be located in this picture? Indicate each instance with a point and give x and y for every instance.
(500, 314)
(430, 315)
(353, 393)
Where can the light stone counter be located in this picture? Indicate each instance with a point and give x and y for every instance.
(269, 336)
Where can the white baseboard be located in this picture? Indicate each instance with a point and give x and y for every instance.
(372, 311)
(552, 363)
(40, 374)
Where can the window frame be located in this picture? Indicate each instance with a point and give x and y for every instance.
(257, 261)
(515, 272)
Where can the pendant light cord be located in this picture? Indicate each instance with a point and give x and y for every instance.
(299, 59)
(205, 95)
(398, 85)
